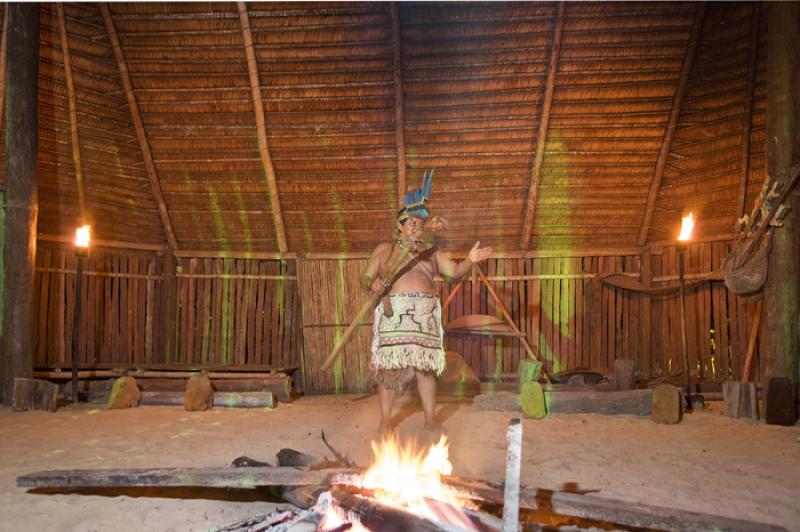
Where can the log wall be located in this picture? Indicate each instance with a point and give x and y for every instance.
(237, 313)
(119, 308)
(246, 313)
(231, 312)
(571, 319)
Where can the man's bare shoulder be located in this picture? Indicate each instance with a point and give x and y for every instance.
(382, 250)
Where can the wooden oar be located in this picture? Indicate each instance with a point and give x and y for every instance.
(366, 308)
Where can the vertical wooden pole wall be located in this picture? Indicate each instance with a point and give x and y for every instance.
(21, 205)
(781, 331)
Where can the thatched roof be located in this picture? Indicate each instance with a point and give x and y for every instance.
(651, 108)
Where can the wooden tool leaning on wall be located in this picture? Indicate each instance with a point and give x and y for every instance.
(394, 270)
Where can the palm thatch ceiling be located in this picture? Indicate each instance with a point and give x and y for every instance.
(551, 126)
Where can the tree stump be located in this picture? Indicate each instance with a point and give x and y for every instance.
(124, 394)
(780, 407)
(34, 394)
(666, 407)
(531, 399)
(622, 378)
(741, 399)
(199, 393)
(528, 371)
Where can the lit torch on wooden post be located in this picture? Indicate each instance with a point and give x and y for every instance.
(687, 225)
(82, 239)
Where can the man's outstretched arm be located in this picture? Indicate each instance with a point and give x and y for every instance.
(452, 270)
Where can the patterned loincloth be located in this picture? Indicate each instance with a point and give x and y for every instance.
(412, 337)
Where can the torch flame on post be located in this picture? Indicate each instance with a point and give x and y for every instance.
(82, 236)
(687, 224)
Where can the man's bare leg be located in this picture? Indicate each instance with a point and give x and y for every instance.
(385, 401)
(426, 387)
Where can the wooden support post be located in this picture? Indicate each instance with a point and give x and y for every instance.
(781, 335)
(513, 467)
(22, 68)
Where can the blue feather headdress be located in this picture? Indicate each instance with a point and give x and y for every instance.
(415, 203)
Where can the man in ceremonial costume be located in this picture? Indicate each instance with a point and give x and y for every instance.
(407, 338)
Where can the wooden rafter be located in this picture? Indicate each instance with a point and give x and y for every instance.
(669, 132)
(544, 123)
(149, 165)
(397, 64)
(747, 118)
(261, 128)
(73, 112)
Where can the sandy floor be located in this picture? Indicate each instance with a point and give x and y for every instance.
(708, 463)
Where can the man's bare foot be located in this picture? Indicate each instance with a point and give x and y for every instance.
(431, 434)
(385, 430)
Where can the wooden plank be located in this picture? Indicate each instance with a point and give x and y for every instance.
(149, 314)
(274, 325)
(217, 477)
(58, 317)
(581, 351)
(619, 315)
(706, 314)
(596, 316)
(646, 315)
(116, 313)
(720, 324)
(217, 316)
(206, 313)
(69, 304)
(604, 510)
(258, 322)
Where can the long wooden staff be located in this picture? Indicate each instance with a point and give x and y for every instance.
(367, 307)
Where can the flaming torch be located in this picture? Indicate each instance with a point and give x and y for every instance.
(82, 239)
(687, 224)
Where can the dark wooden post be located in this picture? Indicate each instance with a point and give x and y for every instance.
(22, 76)
(169, 308)
(781, 333)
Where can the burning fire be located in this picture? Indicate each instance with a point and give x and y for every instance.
(411, 480)
(687, 224)
(82, 237)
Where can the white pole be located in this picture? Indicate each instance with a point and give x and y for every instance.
(513, 459)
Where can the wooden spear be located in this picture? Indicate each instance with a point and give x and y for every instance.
(394, 267)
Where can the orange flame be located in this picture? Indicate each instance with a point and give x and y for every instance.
(82, 236)
(687, 224)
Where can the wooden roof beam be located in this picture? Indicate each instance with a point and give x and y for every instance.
(261, 128)
(399, 120)
(669, 132)
(747, 118)
(541, 139)
(141, 136)
(73, 113)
